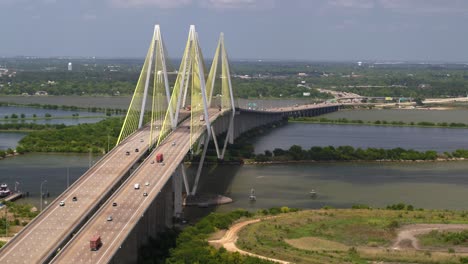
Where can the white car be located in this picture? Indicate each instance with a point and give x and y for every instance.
(109, 218)
(62, 203)
(136, 186)
(147, 183)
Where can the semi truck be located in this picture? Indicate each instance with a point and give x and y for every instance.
(159, 157)
(95, 242)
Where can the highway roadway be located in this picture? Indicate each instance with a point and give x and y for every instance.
(43, 235)
(299, 107)
(131, 203)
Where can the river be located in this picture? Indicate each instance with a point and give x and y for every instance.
(10, 139)
(31, 169)
(427, 185)
(40, 113)
(308, 135)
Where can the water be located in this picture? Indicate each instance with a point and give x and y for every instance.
(432, 185)
(10, 140)
(31, 169)
(40, 113)
(308, 135)
(415, 115)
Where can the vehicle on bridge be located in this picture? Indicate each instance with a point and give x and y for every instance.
(159, 158)
(95, 242)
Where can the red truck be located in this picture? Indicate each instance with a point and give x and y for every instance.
(159, 157)
(95, 242)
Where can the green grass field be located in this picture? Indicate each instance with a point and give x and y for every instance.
(346, 236)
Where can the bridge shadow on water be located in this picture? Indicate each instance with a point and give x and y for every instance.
(215, 179)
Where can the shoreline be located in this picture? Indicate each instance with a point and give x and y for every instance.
(280, 162)
(371, 124)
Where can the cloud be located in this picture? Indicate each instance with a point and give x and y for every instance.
(147, 3)
(217, 4)
(230, 4)
(426, 6)
(359, 4)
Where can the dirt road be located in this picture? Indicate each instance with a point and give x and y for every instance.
(228, 241)
(407, 235)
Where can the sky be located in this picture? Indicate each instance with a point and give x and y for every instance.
(308, 30)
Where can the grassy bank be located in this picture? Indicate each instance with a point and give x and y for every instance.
(80, 139)
(346, 236)
(344, 121)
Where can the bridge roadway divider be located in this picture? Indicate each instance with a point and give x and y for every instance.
(144, 153)
(106, 196)
(135, 232)
(51, 249)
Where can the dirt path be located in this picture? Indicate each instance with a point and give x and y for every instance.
(228, 241)
(407, 235)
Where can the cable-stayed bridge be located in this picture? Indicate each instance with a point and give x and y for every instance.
(166, 119)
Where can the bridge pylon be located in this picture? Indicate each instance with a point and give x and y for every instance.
(225, 97)
(151, 97)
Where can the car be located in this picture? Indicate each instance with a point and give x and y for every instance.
(114, 204)
(127, 153)
(109, 218)
(147, 183)
(173, 143)
(136, 150)
(62, 203)
(162, 164)
(141, 140)
(136, 186)
(145, 194)
(74, 199)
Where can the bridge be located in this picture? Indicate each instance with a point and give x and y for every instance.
(160, 120)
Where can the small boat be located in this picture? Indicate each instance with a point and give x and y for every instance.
(4, 191)
(313, 193)
(252, 196)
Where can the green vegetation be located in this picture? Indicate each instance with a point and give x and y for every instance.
(344, 236)
(324, 120)
(437, 238)
(264, 80)
(347, 153)
(21, 210)
(81, 138)
(192, 245)
(29, 126)
(14, 216)
(107, 111)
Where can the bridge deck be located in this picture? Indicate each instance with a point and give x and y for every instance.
(131, 204)
(56, 222)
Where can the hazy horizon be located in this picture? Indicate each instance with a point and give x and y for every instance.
(270, 30)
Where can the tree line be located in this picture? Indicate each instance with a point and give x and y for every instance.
(81, 138)
(379, 122)
(349, 153)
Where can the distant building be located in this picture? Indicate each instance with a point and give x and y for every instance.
(359, 63)
(302, 74)
(306, 94)
(70, 66)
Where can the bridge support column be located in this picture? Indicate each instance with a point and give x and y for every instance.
(200, 165)
(177, 192)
